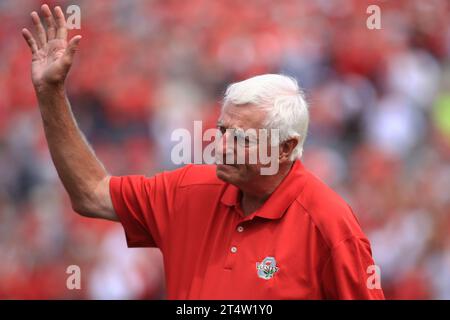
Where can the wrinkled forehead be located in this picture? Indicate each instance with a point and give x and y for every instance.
(246, 116)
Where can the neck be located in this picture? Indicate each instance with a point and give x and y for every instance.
(253, 198)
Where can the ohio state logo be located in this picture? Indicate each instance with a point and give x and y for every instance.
(267, 268)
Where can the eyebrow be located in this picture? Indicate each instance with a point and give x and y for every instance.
(222, 124)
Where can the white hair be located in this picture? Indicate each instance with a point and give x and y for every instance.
(283, 100)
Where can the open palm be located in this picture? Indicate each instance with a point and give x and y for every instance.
(52, 55)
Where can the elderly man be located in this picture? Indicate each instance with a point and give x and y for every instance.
(225, 230)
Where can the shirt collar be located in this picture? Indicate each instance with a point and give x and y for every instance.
(280, 200)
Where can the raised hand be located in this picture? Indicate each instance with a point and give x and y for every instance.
(52, 55)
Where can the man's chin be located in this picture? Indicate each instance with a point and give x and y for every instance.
(224, 172)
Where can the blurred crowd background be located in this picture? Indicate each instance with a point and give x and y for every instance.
(379, 131)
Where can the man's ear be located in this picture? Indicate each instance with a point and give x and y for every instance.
(286, 148)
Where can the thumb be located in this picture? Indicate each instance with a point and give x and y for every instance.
(71, 49)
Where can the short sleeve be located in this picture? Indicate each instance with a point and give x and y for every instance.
(348, 270)
(144, 206)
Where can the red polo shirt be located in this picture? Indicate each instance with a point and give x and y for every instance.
(303, 243)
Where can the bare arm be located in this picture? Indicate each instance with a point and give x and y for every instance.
(82, 174)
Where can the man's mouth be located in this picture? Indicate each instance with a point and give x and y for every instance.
(228, 164)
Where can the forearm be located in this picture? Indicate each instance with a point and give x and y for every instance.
(81, 173)
(78, 168)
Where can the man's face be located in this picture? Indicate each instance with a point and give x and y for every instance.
(241, 118)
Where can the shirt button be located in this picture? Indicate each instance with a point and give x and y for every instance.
(233, 249)
(240, 228)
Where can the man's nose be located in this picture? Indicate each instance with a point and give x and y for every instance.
(225, 145)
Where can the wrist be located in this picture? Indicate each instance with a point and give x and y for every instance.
(46, 89)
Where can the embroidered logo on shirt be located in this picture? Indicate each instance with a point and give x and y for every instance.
(267, 268)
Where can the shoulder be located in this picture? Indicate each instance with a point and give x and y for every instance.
(329, 212)
(199, 175)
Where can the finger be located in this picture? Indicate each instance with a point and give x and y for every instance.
(41, 37)
(61, 32)
(49, 21)
(30, 40)
(71, 49)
